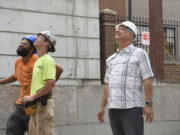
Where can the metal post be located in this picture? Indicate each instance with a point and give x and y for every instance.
(130, 10)
(156, 39)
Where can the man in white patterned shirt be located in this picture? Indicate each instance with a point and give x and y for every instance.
(128, 75)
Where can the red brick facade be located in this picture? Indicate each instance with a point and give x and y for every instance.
(107, 47)
(107, 41)
(172, 73)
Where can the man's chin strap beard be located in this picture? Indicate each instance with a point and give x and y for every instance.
(22, 53)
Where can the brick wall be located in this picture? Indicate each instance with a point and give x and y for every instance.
(107, 41)
(172, 73)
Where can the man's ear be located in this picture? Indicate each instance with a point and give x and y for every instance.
(47, 44)
(131, 36)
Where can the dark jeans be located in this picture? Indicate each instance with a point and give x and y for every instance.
(127, 121)
(18, 122)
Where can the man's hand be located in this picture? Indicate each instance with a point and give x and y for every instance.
(26, 99)
(148, 112)
(103, 104)
(9, 79)
(101, 115)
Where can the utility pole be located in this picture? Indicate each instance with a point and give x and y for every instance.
(156, 39)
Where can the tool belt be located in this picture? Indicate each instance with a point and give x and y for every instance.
(30, 107)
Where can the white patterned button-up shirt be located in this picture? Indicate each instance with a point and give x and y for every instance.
(125, 71)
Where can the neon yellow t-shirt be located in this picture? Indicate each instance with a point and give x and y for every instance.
(44, 69)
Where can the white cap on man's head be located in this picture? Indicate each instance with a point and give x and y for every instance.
(129, 25)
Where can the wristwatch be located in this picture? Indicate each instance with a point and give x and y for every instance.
(149, 103)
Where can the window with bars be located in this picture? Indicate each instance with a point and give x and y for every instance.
(169, 43)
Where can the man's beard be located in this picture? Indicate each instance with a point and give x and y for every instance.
(22, 52)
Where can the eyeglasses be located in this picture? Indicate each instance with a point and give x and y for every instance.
(123, 29)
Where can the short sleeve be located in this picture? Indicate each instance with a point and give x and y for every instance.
(106, 78)
(145, 66)
(49, 70)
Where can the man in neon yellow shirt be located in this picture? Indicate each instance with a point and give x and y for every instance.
(43, 81)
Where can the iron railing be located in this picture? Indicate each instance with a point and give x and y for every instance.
(171, 29)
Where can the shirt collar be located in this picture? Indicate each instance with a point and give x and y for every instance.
(127, 49)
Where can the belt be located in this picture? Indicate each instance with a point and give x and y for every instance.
(42, 100)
